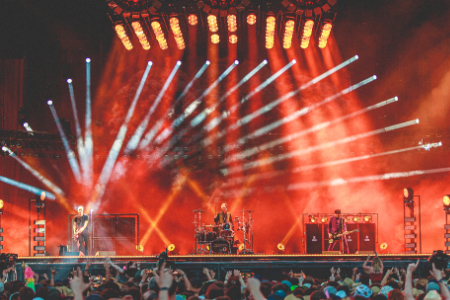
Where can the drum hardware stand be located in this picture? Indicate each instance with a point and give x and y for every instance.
(198, 228)
(248, 233)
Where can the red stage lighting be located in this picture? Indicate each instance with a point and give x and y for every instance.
(175, 26)
(325, 34)
(215, 39)
(159, 35)
(306, 35)
(288, 33)
(192, 19)
(122, 34)
(140, 35)
(232, 26)
(270, 31)
(212, 23)
(233, 39)
(251, 19)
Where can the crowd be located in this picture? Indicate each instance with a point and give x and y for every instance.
(164, 283)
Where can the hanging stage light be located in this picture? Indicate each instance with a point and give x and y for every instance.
(192, 19)
(446, 202)
(156, 26)
(175, 26)
(324, 219)
(122, 34)
(288, 33)
(270, 31)
(325, 34)
(306, 35)
(140, 35)
(251, 19)
(215, 39)
(212, 23)
(367, 218)
(356, 219)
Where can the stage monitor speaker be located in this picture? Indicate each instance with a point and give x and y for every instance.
(366, 237)
(352, 238)
(105, 253)
(332, 252)
(367, 252)
(77, 253)
(314, 238)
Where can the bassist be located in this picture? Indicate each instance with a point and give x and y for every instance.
(80, 231)
(336, 226)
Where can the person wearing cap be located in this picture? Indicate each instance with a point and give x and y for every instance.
(337, 225)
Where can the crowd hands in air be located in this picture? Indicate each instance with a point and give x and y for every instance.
(164, 283)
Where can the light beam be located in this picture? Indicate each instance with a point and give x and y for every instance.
(26, 187)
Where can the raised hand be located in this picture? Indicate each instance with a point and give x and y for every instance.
(77, 284)
(165, 277)
(338, 272)
(436, 273)
(412, 267)
(253, 285)
(332, 270)
(212, 273)
(53, 271)
(355, 270)
(237, 273)
(205, 271)
(228, 275)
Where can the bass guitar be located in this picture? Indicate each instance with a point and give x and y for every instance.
(335, 236)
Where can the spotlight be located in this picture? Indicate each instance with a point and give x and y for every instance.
(367, 219)
(288, 32)
(215, 39)
(265, 62)
(312, 219)
(251, 19)
(241, 247)
(178, 35)
(231, 20)
(306, 35)
(408, 194)
(88, 60)
(150, 63)
(236, 62)
(156, 26)
(208, 62)
(446, 202)
(69, 80)
(122, 34)
(50, 102)
(212, 23)
(179, 63)
(171, 247)
(347, 219)
(1, 204)
(325, 34)
(192, 19)
(140, 35)
(355, 219)
(281, 247)
(233, 39)
(383, 246)
(270, 31)
(140, 248)
(294, 61)
(324, 219)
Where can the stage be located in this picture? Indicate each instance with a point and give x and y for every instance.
(270, 266)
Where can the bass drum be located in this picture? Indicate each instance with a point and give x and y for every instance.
(220, 246)
(227, 230)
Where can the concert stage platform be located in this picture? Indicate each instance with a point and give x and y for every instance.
(312, 264)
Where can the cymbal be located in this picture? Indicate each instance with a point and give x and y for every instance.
(198, 210)
(210, 226)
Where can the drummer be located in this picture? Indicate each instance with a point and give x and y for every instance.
(224, 216)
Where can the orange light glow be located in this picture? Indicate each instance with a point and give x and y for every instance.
(233, 39)
(212, 23)
(175, 26)
(140, 35)
(270, 32)
(232, 26)
(307, 32)
(192, 19)
(288, 32)
(159, 35)
(251, 19)
(366, 218)
(326, 31)
(383, 246)
(281, 247)
(355, 219)
(122, 34)
(324, 219)
(446, 200)
(1, 204)
(215, 39)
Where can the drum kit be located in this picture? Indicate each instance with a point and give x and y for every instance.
(221, 239)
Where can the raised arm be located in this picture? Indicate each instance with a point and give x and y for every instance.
(386, 277)
(408, 283)
(119, 269)
(437, 274)
(187, 283)
(365, 267)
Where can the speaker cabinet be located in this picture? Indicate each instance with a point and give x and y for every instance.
(352, 238)
(367, 237)
(314, 238)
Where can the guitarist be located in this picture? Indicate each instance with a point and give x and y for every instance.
(337, 225)
(80, 231)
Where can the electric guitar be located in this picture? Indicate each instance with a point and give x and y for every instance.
(334, 236)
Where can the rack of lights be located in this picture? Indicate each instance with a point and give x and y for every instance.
(162, 23)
